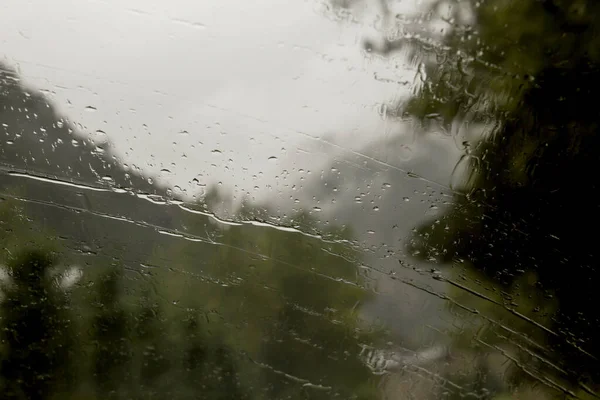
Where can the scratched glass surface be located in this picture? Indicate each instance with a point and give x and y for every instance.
(317, 199)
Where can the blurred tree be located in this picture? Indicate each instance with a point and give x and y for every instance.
(283, 306)
(151, 343)
(111, 338)
(38, 340)
(209, 367)
(526, 192)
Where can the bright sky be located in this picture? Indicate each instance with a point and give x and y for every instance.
(225, 91)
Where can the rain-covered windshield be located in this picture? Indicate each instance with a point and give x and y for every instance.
(317, 199)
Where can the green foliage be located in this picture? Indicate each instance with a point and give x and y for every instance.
(527, 72)
(16, 229)
(110, 336)
(37, 340)
(493, 53)
(252, 312)
(285, 301)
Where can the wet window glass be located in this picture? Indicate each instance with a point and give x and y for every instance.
(318, 199)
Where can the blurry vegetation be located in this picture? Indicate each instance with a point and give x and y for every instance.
(238, 311)
(38, 338)
(284, 304)
(243, 313)
(525, 73)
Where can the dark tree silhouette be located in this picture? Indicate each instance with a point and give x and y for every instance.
(529, 70)
(37, 331)
(152, 345)
(111, 338)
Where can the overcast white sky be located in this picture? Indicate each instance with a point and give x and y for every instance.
(217, 90)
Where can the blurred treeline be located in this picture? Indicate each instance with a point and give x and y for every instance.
(250, 314)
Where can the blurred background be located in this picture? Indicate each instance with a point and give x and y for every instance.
(357, 199)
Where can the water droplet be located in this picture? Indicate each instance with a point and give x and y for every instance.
(406, 199)
(216, 151)
(191, 24)
(387, 185)
(383, 108)
(90, 108)
(272, 158)
(316, 209)
(376, 208)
